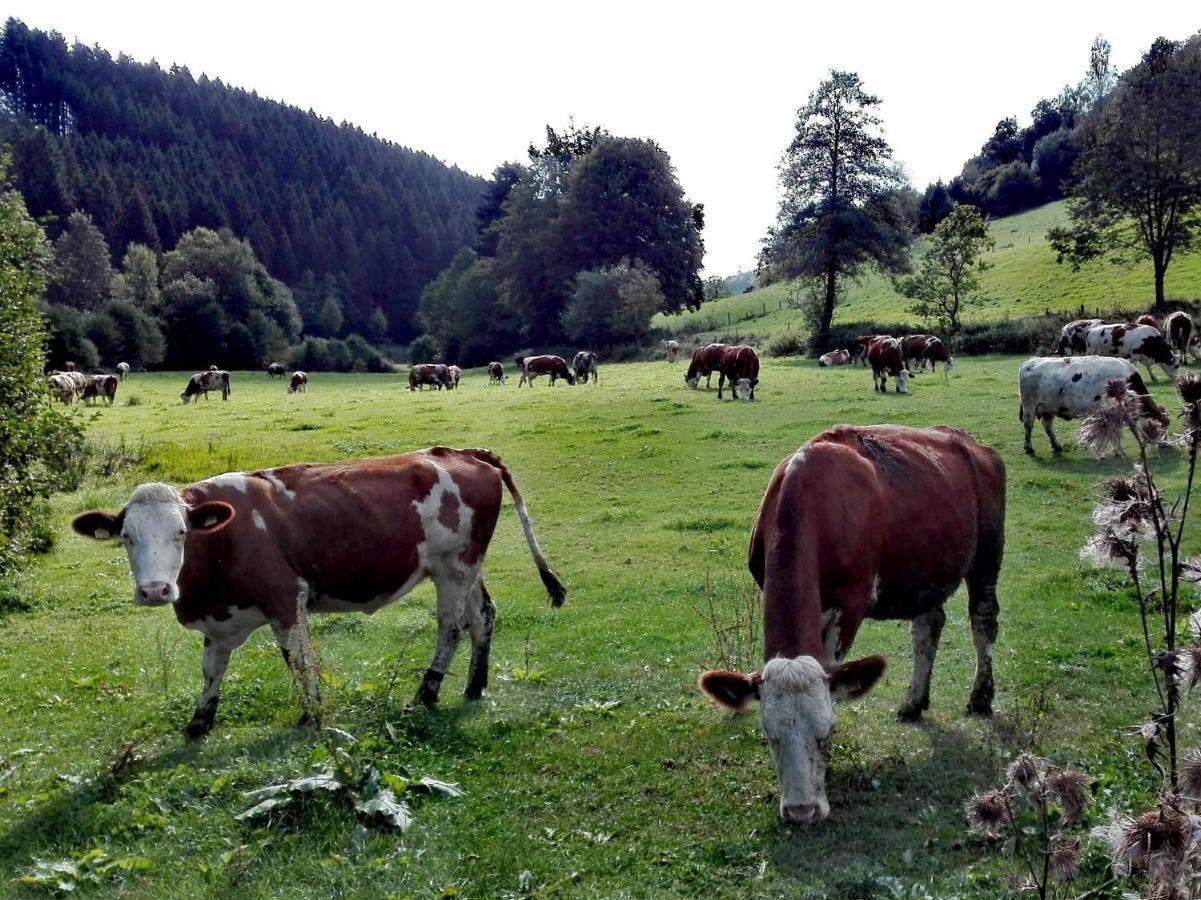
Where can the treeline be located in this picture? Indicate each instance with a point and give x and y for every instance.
(152, 154)
(583, 244)
(1021, 168)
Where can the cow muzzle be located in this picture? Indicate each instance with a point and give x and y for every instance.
(804, 813)
(156, 593)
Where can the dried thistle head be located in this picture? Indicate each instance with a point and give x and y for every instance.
(1026, 771)
(1152, 429)
(1162, 832)
(1188, 669)
(1111, 549)
(1190, 776)
(988, 813)
(1189, 389)
(1116, 389)
(1104, 428)
(1064, 855)
(1069, 788)
(1122, 490)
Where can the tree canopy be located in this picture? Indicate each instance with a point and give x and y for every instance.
(948, 276)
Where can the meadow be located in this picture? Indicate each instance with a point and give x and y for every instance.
(593, 766)
(1024, 280)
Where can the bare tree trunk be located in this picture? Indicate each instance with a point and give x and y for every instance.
(828, 302)
(1161, 268)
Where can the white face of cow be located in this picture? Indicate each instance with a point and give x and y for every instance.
(903, 381)
(743, 388)
(798, 716)
(692, 382)
(154, 527)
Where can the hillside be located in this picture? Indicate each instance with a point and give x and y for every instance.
(1025, 279)
(151, 154)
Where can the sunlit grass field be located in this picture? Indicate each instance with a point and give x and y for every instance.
(593, 767)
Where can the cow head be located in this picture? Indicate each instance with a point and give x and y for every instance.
(745, 387)
(902, 380)
(153, 526)
(570, 378)
(795, 698)
(692, 381)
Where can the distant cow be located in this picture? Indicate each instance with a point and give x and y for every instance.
(69, 366)
(433, 374)
(122, 370)
(203, 382)
(705, 361)
(922, 351)
(1071, 338)
(1180, 333)
(104, 386)
(934, 352)
(1141, 344)
(554, 366)
(300, 382)
(860, 346)
(214, 369)
(885, 357)
(275, 370)
(62, 385)
(246, 549)
(1074, 387)
(80, 380)
(864, 522)
(453, 374)
(496, 373)
(739, 366)
(584, 364)
(673, 351)
(1148, 319)
(834, 358)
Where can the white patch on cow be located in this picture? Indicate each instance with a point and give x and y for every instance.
(235, 481)
(279, 486)
(831, 632)
(798, 717)
(442, 545)
(692, 382)
(259, 522)
(903, 381)
(743, 389)
(153, 531)
(241, 622)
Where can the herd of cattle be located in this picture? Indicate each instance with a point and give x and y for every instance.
(437, 376)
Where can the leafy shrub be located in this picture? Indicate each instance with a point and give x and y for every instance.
(1034, 334)
(787, 344)
(423, 349)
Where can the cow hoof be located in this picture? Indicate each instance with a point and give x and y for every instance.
(1029, 451)
(198, 728)
(474, 694)
(980, 706)
(910, 712)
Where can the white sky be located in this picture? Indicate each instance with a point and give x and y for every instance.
(473, 83)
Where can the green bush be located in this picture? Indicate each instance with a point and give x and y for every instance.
(424, 349)
(1033, 334)
(787, 344)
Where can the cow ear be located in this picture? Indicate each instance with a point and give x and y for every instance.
(210, 516)
(854, 679)
(732, 690)
(98, 525)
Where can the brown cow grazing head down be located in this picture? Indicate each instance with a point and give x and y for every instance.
(705, 361)
(823, 572)
(739, 364)
(886, 358)
(496, 373)
(300, 382)
(554, 366)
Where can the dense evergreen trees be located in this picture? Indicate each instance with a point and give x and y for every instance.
(150, 154)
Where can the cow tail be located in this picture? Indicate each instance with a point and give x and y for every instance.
(554, 587)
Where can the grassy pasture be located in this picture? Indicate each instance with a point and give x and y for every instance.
(593, 764)
(1024, 280)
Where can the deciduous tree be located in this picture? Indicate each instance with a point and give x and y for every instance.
(947, 279)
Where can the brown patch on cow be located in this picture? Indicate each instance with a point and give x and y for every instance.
(448, 512)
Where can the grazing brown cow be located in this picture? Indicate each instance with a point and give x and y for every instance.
(275, 370)
(496, 373)
(885, 357)
(740, 366)
(554, 366)
(122, 370)
(203, 382)
(834, 358)
(584, 364)
(705, 361)
(242, 550)
(859, 347)
(300, 382)
(100, 386)
(935, 351)
(433, 374)
(673, 351)
(844, 533)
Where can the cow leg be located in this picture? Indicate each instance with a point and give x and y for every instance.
(481, 617)
(1028, 424)
(982, 610)
(452, 618)
(213, 665)
(926, 630)
(1049, 427)
(297, 649)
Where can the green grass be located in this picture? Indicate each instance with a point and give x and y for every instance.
(593, 764)
(1024, 280)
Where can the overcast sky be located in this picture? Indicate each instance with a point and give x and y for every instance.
(474, 83)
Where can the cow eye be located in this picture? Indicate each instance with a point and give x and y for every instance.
(182, 532)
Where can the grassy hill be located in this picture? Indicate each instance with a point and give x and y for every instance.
(1024, 280)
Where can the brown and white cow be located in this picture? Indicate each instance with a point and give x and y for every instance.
(860, 345)
(824, 569)
(584, 364)
(453, 374)
(104, 386)
(672, 349)
(496, 373)
(246, 549)
(705, 361)
(1148, 319)
(299, 382)
(203, 382)
(69, 366)
(834, 358)
(122, 370)
(79, 379)
(885, 357)
(739, 366)
(62, 385)
(1074, 387)
(1071, 337)
(1141, 344)
(934, 352)
(433, 374)
(275, 370)
(554, 366)
(1180, 333)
